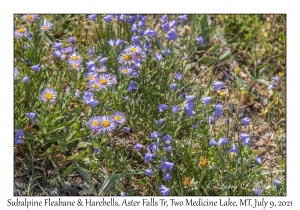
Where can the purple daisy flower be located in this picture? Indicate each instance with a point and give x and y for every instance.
(48, 94)
(46, 27)
(29, 17)
(119, 118)
(107, 124)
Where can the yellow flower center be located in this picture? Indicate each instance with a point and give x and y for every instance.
(127, 57)
(95, 123)
(75, 65)
(237, 69)
(21, 30)
(118, 118)
(106, 123)
(28, 17)
(91, 77)
(125, 71)
(101, 70)
(74, 57)
(48, 96)
(96, 86)
(132, 49)
(44, 28)
(103, 81)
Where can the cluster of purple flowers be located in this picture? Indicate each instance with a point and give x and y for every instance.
(19, 136)
(166, 166)
(105, 124)
(275, 82)
(22, 32)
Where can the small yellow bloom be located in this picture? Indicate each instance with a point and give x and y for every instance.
(280, 74)
(221, 93)
(237, 69)
(203, 162)
(187, 181)
(243, 92)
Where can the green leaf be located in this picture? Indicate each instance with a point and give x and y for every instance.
(214, 49)
(83, 144)
(261, 69)
(68, 171)
(159, 44)
(50, 150)
(70, 136)
(49, 38)
(208, 60)
(221, 159)
(239, 81)
(188, 67)
(207, 89)
(29, 136)
(203, 22)
(57, 171)
(208, 32)
(110, 182)
(262, 81)
(87, 178)
(225, 55)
